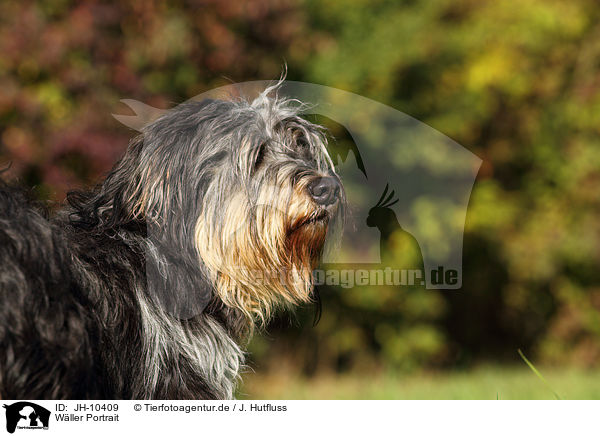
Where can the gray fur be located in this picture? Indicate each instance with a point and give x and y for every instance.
(112, 297)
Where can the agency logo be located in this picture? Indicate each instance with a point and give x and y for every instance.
(27, 416)
(407, 191)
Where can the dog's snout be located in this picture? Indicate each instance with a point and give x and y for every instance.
(324, 190)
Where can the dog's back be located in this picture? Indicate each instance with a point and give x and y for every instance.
(70, 321)
(44, 329)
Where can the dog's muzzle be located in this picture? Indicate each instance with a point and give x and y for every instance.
(325, 191)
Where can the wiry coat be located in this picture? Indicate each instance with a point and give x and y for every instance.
(115, 297)
(76, 322)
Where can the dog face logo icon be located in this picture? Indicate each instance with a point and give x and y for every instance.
(26, 415)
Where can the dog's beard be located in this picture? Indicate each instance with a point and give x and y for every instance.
(262, 253)
(306, 230)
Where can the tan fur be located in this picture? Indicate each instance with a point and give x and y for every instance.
(273, 267)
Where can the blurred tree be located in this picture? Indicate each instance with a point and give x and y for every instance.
(519, 86)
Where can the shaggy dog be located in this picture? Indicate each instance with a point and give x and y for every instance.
(149, 285)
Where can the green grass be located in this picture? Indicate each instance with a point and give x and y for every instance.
(537, 373)
(503, 383)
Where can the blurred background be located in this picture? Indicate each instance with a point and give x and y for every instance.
(516, 83)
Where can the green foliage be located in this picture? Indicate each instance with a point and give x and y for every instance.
(517, 85)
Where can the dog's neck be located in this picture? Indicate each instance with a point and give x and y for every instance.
(190, 341)
(181, 317)
(199, 347)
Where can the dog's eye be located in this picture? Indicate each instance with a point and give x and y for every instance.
(260, 156)
(302, 142)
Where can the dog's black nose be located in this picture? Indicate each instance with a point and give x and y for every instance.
(324, 190)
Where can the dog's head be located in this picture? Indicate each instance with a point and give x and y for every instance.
(248, 187)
